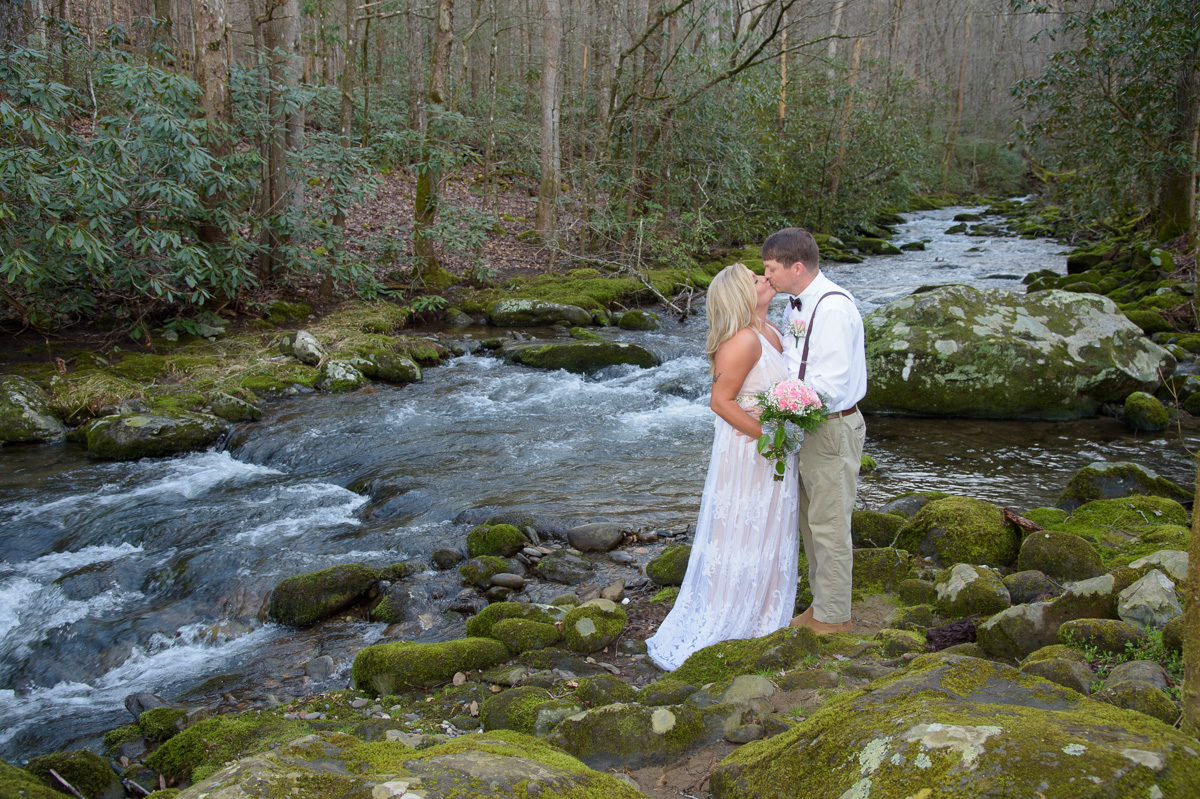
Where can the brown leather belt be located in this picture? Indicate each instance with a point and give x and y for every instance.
(840, 414)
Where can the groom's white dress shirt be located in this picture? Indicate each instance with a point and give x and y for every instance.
(837, 361)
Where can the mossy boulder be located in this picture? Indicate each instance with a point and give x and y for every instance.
(536, 313)
(872, 246)
(895, 643)
(17, 783)
(966, 590)
(86, 771)
(1018, 631)
(479, 571)
(520, 708)
(1114, 480)
(1061, 556)
(583, 334)
(501, 540)
(339, 376)
(870, 528)
(400, 666)
(961, 530)
(307, 598)
(162, 723)
(282, 312)
(523, 635)
(581, 357)
(392, 367)
(779, 651)
(499, 763)
(1107, 635)
(605, 689)
(1172, 635)
(634, 736)
(916, 618)
(26, 413)
(1031, 586)
(481, 624)
(670, 567)
(1129, 528)
(1144, 413)
(1149, 602)
(1141, 697)
(666, 691)
(564, 566)
(233, 409)
(593, 625)
(955, 726)
(916, 592)
(880, 569)
(959, 351)
(1066, 672)
(148, 435)
(1150, 322)
(638, 319)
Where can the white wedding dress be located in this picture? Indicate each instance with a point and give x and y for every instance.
(741, 575)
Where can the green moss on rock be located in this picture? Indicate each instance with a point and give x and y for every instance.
(1141, 697)
(1144, 413)
(1059, 555)
(148, 435)
(162, 723)
(604, 689)
(403, 665)
(481, 624)
(669, 567)
(501, 540)
(582, 357)
(780, 650)
(593, 625)
(1106, 635)
(955, 726)
(307, 598)
(1112, 481)
(17, 783)
(869, 528)
(523, 635)
(86, 771)
(961, 530)
(480, 570)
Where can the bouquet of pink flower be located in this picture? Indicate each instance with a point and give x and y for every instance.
(788, 409)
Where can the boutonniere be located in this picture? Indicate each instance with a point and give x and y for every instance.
(798, 328)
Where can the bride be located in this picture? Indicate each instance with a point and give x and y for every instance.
(741, 575)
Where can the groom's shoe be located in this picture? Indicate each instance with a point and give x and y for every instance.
(821, 628)
(803, 619)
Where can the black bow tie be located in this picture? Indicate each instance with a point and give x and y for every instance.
(795, 303)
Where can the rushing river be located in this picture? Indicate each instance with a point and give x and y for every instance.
(118, 578)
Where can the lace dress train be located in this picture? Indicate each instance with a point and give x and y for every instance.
(741, 575)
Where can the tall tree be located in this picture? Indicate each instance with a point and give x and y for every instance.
(282, 191)
(211, 72)
(546, 215)
(429, 170)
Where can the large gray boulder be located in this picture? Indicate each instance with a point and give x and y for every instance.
(960, 351)
(143, 435)
(962, 727)
(25, 413)
(537, 313)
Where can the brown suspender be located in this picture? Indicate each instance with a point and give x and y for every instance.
(808, 332)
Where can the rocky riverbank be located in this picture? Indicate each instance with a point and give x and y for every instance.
(1040, 650)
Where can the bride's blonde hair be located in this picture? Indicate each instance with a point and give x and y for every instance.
(729, 307)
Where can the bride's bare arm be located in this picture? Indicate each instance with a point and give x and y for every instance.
(734, 360)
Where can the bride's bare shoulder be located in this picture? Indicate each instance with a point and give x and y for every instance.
(743, 344)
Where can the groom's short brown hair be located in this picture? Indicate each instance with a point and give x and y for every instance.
(790, 245)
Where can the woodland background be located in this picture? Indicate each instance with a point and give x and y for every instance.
(161, 160)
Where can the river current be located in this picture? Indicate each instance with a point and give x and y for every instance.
(118, 578)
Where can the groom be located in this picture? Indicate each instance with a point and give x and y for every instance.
(829, 355)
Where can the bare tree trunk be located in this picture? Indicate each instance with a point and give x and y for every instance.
(959, 101)
(783, 81)
(161, 40)
(834, 25)
(843, 120)
(280, 29)
(349, 31)
(211, 72)
(428, 175)
(365, 71)
(551, 160)
(1177, 198)
(489, 153)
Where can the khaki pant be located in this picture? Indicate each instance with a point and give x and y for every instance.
(828, 464)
